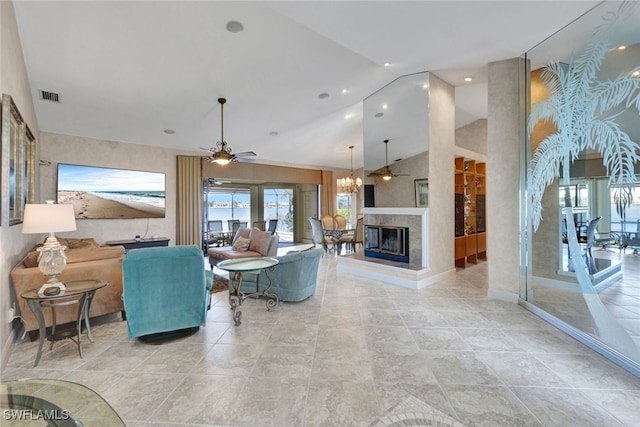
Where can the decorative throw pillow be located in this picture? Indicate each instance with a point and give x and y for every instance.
(260, 241)
(241, 244)
(31, 260)
(82, 243)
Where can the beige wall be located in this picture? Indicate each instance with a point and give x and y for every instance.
(399, 192)
(56, 148)
(263, 173)
(15, 82)
(441, 154)
(506, 104)
(473, 137)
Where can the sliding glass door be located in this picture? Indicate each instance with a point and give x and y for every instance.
(278, 205)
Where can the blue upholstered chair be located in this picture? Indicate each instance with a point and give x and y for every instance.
(165, 290)
(293, 279)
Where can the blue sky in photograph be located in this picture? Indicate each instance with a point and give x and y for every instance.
(96, 179)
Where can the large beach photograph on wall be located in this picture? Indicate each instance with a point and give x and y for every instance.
(102, 193)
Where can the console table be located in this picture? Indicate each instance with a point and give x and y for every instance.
(142, 243)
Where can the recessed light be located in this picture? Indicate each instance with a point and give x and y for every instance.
(273, 133)
(234, 27)
(169, 131)
(425, 86)
(378, 114)
(635, 73)
(622, 47)
(348, 116)
(468, 79)
(345, 90)
(385, 106)
(387, 64)
(323, 95)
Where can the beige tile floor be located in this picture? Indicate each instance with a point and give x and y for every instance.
(359, 353)
(622, 298)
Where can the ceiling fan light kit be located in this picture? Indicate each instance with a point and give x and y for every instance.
(221, 154)
(386, 173)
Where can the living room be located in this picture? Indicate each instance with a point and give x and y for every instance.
(56, 146)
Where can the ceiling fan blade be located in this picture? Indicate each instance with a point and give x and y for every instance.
(374, 174)
(243, 160)
(245, 153)
(401, 174)
(211, 150)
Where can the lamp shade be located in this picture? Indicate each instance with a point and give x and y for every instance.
(48, 218)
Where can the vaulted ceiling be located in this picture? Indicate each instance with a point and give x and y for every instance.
(129, 71)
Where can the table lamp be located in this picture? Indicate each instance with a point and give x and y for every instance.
(50, 218)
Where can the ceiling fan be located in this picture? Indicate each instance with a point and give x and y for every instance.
(386, 172)
(214, 181)
(221, 153)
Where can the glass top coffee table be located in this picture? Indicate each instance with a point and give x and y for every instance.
(252, 265)
(37, 402)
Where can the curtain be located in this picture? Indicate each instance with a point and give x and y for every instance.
(328, 194)
(189, 201)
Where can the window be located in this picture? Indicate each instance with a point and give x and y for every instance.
(344, 206)
(227, 203)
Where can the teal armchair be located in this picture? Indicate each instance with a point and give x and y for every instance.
(165, 290)
(294, 278)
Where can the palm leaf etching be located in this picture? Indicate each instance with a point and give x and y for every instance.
(584, 111)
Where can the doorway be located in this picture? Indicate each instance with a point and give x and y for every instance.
(278, 205)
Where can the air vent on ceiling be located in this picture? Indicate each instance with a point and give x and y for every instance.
(49, 96)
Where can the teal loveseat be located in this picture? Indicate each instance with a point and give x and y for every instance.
(294, 278)
(165, 290)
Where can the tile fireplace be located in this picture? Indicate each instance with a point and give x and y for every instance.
(415, 273)
(387, 242)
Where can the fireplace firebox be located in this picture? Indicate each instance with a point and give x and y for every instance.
(387, 242)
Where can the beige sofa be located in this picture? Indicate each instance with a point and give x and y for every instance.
(247, 242)
(85, 260)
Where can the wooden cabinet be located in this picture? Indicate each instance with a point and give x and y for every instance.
(470, 212)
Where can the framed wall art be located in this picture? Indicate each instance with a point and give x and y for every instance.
(17, 179)
(422, 193)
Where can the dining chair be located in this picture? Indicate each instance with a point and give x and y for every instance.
(341, 222)
(260, 225)
(273, 226)
(354, 238)
(235, 226)
(319, 236)
(328, 222)
(212, 235)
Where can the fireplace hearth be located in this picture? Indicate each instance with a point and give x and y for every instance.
(387, 242)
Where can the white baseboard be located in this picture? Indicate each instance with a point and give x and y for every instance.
(406, 278)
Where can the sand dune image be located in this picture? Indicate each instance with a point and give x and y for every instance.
(88, 205)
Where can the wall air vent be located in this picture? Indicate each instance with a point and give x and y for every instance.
(49, 96)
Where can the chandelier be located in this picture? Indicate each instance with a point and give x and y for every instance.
(350, 184)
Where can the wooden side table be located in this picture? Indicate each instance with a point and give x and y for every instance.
(79, 292)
